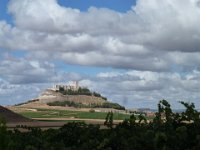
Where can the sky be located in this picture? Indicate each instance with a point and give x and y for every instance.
(134, 52)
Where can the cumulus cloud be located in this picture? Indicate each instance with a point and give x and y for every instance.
(27, 71)
(20, 70)
(13, 93)
(145, 88)
(173, 24)
(60, 19)
(140, 39)
(157, 41)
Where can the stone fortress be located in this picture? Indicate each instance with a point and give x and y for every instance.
(52, 95)
(74, 86)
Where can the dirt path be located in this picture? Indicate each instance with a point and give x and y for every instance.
(47, 123)
(93, 121)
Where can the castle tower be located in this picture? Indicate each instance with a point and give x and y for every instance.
(76, 85)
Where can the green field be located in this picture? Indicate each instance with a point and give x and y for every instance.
(45, 113)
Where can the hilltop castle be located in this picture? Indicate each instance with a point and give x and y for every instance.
(74, 86)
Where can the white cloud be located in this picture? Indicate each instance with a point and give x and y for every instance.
(138, 39)
(173, 24)
(157, 40)
(27, 71)
(145, 88)
(13, 93)
(43, 15)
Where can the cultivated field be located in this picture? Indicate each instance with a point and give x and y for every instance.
(46, 114)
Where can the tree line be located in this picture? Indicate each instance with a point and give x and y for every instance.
(80, 91)
(81, 105)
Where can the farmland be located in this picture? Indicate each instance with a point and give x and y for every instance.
(70, 114)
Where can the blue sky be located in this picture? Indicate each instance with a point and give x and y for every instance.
(118, 5)
(3, 11)
(134, 53)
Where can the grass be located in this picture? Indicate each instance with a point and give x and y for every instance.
(45, 113)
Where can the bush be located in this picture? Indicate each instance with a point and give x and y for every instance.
(80, 91)
(65, 103)
(80, 105)
(92, 110)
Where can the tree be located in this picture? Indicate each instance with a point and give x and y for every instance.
(2, 121)
(109, 120)
(3, 135)
(190, 113)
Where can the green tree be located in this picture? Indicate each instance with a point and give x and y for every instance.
(190, 113)
(109, 120)
(3, 133)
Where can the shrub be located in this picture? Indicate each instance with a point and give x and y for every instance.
(92, 110)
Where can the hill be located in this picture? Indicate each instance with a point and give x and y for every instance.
(12, 117)
(83, 98)
(52, 96)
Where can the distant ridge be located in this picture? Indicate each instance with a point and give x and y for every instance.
(12, 117)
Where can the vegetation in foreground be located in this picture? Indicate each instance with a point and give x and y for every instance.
(167, 131)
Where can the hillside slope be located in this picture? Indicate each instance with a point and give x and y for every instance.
(12, 117)
(73, 99)
(77, 99)
(52, 96)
